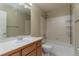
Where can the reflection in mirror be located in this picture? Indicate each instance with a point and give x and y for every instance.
(14, 19)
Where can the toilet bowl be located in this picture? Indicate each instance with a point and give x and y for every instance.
(47, 49)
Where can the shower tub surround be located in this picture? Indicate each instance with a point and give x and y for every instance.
(19, 43)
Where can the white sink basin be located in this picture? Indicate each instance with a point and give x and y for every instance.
(5, 46)
(1, 49)
(24, 40)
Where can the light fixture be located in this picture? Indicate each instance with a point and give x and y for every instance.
(21, 4)
(25, 5)
(30, 4)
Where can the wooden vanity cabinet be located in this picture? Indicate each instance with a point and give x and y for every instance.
(33, 49)
(16, 54)
(39, 48)
(33, 53)
(28, 49)
(37, 51)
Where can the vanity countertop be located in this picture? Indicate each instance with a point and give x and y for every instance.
(16, 43)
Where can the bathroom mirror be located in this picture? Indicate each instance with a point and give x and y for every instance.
(14, 19)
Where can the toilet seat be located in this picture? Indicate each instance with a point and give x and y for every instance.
(47, 49)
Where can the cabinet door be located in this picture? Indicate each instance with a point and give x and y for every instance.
(16, 54)
(39, 43)
(28, 49)
(33, 53)
(39, 51)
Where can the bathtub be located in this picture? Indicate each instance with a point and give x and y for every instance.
(61, 49)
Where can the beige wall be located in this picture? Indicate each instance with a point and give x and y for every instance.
(15, 21)
(36, 13)
(57, 25)
(43, 27)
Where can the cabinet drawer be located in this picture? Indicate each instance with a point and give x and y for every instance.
(39, 43)
(28, 49)
(33, 53)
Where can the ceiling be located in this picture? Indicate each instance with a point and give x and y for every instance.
(47, 7)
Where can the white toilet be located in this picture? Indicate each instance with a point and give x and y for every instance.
(47, 50)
